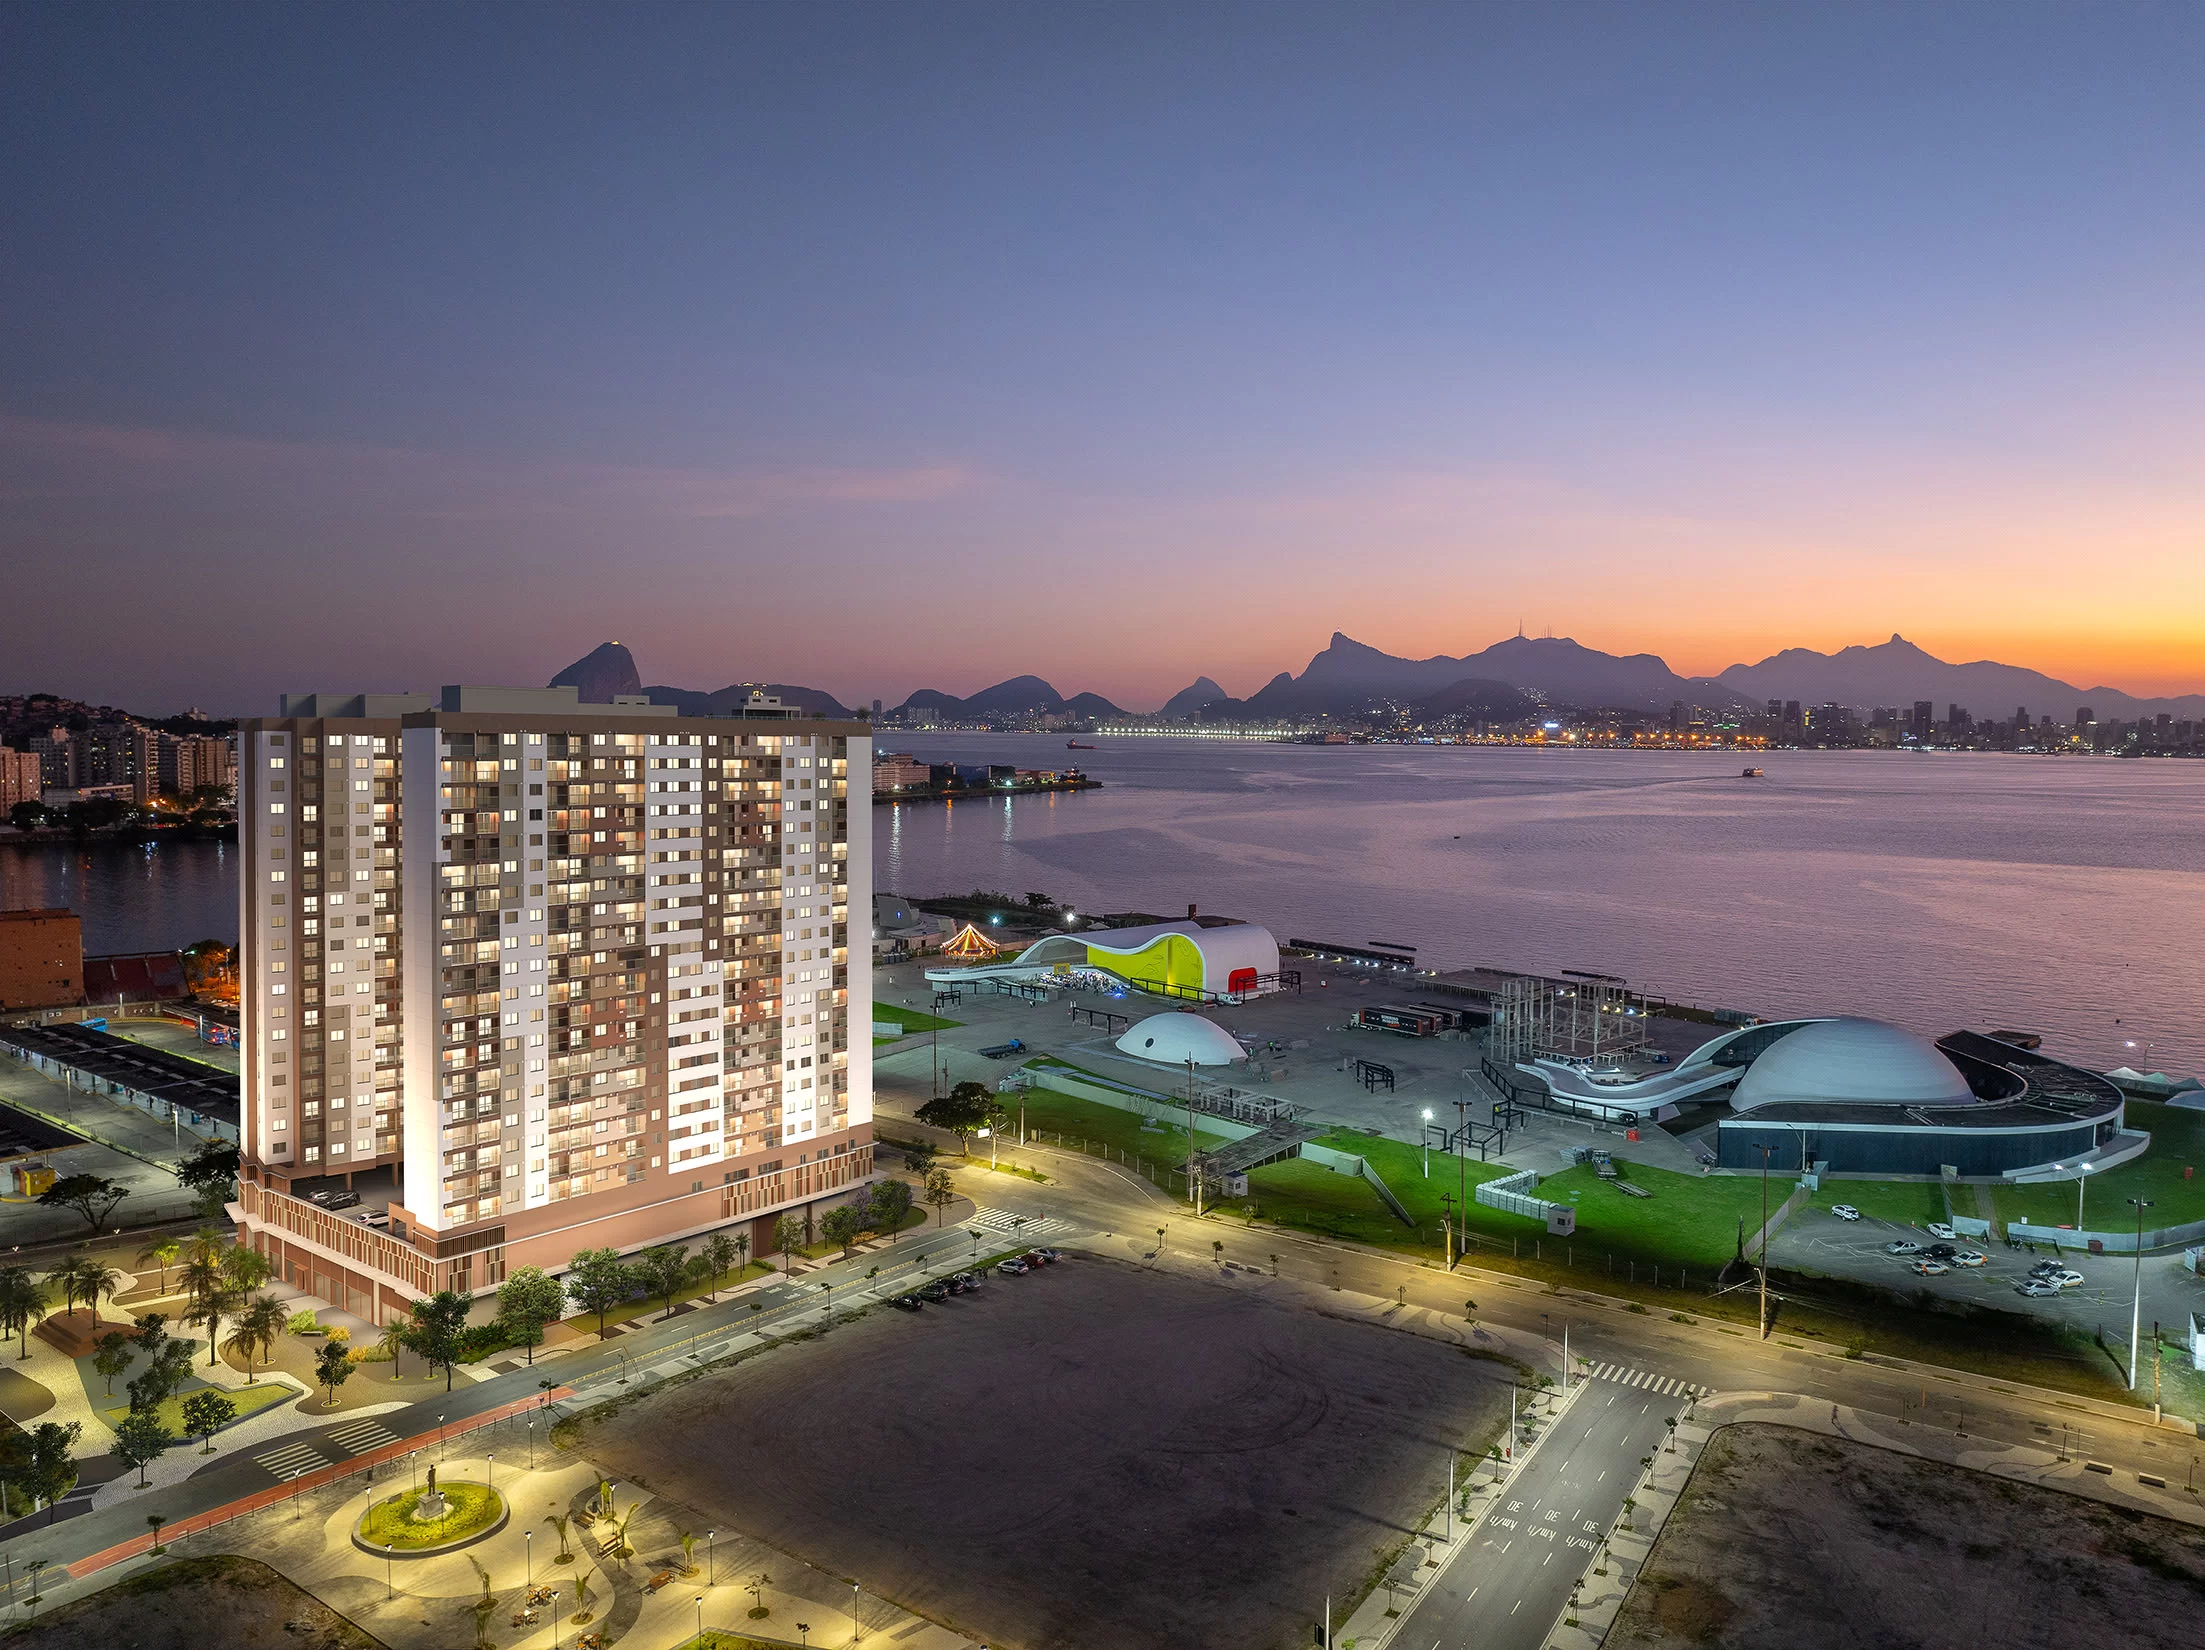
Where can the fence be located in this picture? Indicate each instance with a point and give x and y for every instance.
(2113, 1243)
(1511, 1195)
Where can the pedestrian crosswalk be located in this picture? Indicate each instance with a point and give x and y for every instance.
(291, 1459)
(1667, 1385)
(358, 1437)
(1004, 1223)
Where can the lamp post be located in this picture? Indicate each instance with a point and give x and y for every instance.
(390, 1591)
(711, 1560)
(700, 1618)
(1765, 1150)
(1427, 1142)
(2136, 1308)
(1462, 1168)
(854, 1628)
(528, 1558)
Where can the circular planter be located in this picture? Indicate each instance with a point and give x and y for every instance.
(467, 1536)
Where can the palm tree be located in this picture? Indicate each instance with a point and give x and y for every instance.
(205, 1244)
(246, 1269)
(258, 1328)
(85, 1278)
(22, 1302)
(213, 1297)
(161, 1252)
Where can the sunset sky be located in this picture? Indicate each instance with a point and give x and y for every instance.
(884, 347)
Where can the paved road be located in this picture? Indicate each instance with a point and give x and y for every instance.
(1507, 1588)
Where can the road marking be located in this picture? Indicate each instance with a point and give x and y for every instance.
(358, 1437)
(291, 1460)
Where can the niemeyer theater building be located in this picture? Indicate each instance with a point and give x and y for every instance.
(1865, 1097)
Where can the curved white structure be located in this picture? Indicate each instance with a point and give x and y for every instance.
(1174, 1039)
(1857, 1061)
(1165, 959)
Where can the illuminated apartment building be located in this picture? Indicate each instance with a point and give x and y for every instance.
(531, 976)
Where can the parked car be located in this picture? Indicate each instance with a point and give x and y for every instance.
(1013, 1268)
(906, 1303)
(2065, 1279)
(1844, 1211)
(1036, 1257)
(2036, 1287)
(935, 1292)
(1930, 1268)
(968, 1280)
(1940, 1251)
(1939, 1229)
(1970, 1257)
(1050, 1254)
(1902, 1246)
(2045, 1268)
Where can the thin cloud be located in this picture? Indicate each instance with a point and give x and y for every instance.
(43, 459)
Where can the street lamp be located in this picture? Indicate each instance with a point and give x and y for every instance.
(853, 1613)
(2136, 1308)
(700, 1618)
(389, 1591)
(1427, 1142)
(711, 1560)
(528, 1558)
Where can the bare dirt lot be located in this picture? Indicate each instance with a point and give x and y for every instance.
(1791, 1541)
(198, 1604)
(1093, 1457)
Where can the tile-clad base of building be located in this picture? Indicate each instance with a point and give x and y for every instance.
(375, 1275)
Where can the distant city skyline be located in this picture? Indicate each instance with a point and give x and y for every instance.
(880, 348)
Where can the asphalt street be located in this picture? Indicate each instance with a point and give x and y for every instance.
(1507, 1588)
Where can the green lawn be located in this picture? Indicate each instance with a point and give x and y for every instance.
(250, 1400)
(912, 1019)
(1101, 1125)
(1692, 1219)
(2171, 1174)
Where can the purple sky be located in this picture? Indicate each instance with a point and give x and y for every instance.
(885, 347)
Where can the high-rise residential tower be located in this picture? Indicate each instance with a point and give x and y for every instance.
(532, 976)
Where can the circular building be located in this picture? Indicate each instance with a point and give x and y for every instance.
(1864, 1097)
(1174, 1039)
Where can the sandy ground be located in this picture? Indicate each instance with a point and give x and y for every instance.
(1790, 1541)
(1094, 1456)
(196, 1604)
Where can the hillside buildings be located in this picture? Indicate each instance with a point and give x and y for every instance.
(543, 976)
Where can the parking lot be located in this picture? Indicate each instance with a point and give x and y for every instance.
(1093, 1456)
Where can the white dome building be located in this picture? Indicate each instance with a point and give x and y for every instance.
(1174, 1039)
(1855, 1061)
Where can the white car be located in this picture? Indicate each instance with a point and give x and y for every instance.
(1844, 1211)
(1930, 1268)
(1902, 1246)
(1938, 1229)
(2036, 1287)
(1970, 1257)
(2066, 1280)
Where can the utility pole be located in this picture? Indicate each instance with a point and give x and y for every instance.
(1194, 1181)
(1765, 1150)
(1462, 1169)
(2136, 1308)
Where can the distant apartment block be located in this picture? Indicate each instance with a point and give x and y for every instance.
(41, 959)
(194, 762)
(893, 771)
(22, 778)
(555, 975)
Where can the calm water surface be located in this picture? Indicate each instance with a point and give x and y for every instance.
(2061, 896)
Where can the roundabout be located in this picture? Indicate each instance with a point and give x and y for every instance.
(430, 1520)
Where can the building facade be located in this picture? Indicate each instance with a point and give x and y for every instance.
(21, 778)
(556, 975)
(41, 959)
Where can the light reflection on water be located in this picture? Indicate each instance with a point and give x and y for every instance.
(2060, 896)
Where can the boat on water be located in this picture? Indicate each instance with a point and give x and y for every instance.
(1075, 745)
(1753, 773)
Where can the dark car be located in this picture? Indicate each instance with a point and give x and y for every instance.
(906, 1303)
(936, 1292)
(1942, 1251)
(1050, 1254)
(1035, 1257)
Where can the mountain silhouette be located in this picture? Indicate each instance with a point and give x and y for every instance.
(1899, 673)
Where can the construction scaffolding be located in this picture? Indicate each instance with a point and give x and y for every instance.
(1592, 1017)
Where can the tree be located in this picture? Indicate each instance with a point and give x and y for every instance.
(919, 1157)
(27, 816)
(718, 1256)
(139, 1440)
(259, 1327)
(663, 1269)
(213, 1298)
(246, 1268)
(49, 1465)
(963, 1111)
(528, 1299)
(842, 1226)
(435, 1332)
(111, 1355)
(333, 1367)
(207, 1412)
(788, 1237)
(83, 1277)
(90, 1195)
(167, 1364)
(22, 1302)
(891, 1202)
(941, 1192)
(559, 1522)
(161, 1252)
(210, 1175)
(597, 1282)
